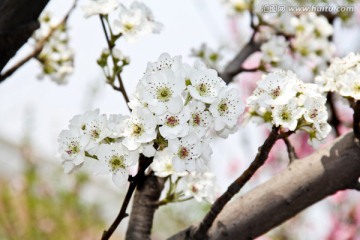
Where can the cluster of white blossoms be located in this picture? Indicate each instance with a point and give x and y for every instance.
(207, 55)
(283, 100)
(185, 106)
(132, 22)
(176, 110)
(56, 57)
(342, 76)
(309, 45)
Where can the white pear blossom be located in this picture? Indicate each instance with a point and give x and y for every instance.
(226, 109)
(72, 147)
(287, 115)
(349, 84)
(135, 21)
(315, 109)
(162, 164)
(56, 56)
(208, 56)
(115, 159)
(97, 130)
(205, 85)
(162, 92)
(115, 125)
(99, 7)
(165, 61)
(201, 119)
(277, 88)
(342, 76)
(187, 153)
(175, 125)
(139, 128)
(80, 121)
(201, 186)
(274, 50)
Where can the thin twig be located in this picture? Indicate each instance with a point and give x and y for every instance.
(38, 47)
(111, 46)
(356, 118)
(144, 163)
(334, 120)
(234, 67)
(291, 150)
(236, 186)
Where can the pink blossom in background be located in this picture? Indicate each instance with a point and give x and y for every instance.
(233, 167)
(342, 231)
(339, 197)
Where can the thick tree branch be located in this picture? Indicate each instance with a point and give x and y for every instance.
(235, 66)
(236, 186)
(302, 184)
(144, 206)
(144, 163)
(18, 20)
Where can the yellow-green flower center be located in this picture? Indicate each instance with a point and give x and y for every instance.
(356, 88)
(202, 89)
(128, 27)
(138, 129)
(116, 163)
(164, 94)
(223, 107)
(285, 115)
(73, 148)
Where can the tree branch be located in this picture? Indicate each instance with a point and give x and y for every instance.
(18, 20)
(235, 187)
(144, 206)
(38, 47)
(121, 87)
(235, 66)
(356, 118)
(291, 150)
(144, 163)
(334, 119)
(302, 184)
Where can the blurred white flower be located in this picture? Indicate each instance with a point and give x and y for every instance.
(99, 7)
(136, 21)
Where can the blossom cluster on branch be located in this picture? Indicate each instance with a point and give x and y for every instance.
(176, 110)
(285, 101)
(342, 77)
(56, 56)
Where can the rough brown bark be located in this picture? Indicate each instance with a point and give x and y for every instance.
(18, 20)
(305, 182)
(144, 206)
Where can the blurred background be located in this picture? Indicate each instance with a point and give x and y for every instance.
(39, 201)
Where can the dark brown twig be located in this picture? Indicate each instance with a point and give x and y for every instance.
(356, 118)
(144, 163)
(38, 47)
(334, 119)
(291, 150)
(236, 186)
(121, 87)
